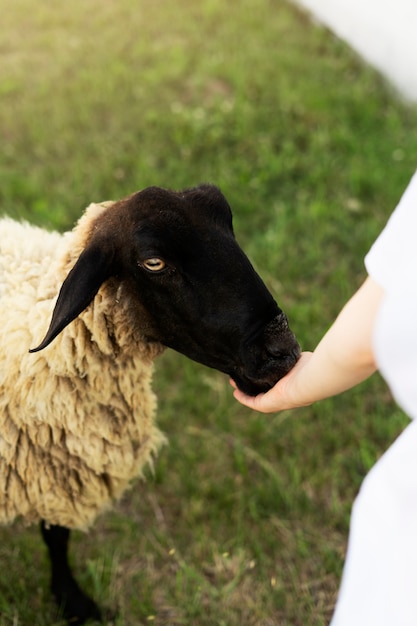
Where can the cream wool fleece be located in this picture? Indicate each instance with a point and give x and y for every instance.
(76, 419)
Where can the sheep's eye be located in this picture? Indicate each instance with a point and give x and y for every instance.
(154, 264)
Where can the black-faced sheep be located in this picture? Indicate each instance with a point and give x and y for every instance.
(158, 268)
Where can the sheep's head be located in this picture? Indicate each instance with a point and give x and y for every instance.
(176, 255)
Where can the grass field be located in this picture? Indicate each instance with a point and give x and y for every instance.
(245, 521)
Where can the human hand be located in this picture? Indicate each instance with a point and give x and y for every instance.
(286, 394)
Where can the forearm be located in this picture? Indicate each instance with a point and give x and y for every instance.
(342, 359)
(326, 374)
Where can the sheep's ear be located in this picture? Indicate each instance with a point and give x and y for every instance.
(78, 290)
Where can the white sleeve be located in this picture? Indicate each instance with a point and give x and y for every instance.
(392, 259)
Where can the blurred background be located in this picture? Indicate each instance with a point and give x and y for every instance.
(245, 519)
(382, 31)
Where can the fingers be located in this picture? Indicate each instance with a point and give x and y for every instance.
(257, 403)
(284, 395)
(252, 402)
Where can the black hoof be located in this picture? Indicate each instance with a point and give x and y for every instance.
(76, 606)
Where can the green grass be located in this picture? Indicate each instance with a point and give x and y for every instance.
(245, 520)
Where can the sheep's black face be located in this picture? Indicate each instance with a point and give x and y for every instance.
(202, 295)
(191, 286)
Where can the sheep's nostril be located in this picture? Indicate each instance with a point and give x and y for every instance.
(281, 350)
(276, 352)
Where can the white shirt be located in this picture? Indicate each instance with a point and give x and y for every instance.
(379, 584)
(392, 263)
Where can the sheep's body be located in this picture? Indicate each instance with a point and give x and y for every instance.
(158, 268)
(77, 420)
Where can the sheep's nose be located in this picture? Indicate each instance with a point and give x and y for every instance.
(280, 342)
(280, 351)
(287, 349)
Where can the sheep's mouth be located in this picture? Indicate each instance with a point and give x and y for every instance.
(252, 388)
(266, 377)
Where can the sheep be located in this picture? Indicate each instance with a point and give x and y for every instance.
(156, 269)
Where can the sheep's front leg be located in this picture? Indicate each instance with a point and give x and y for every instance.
(76, 606)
